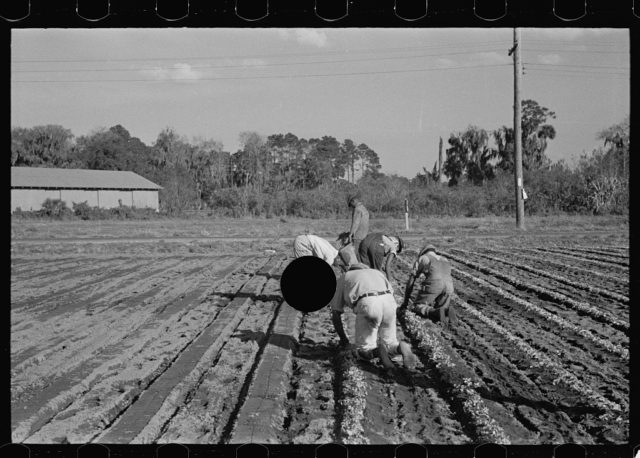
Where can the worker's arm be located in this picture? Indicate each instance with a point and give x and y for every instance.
(408, 289)
(337, 306)
(336, 317)
(355, 221)
(387, 266)
(413, 276)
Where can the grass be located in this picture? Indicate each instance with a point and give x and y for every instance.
(328, 228)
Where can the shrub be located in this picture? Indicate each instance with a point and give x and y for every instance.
(55, 208)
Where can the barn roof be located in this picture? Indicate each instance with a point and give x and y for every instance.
(41, 177)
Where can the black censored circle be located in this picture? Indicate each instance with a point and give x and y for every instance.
(308, 284)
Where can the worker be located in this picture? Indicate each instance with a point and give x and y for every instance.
(379, 251)
(370, 295)
(359, 221)
(346, 252)
(312, 245)
(434, 298)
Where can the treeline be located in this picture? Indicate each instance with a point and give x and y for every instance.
(284, 175)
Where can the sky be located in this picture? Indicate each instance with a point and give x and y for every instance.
(397, 90)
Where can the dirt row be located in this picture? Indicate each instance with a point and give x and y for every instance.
(203, 349)
(76, 398)
(533, 398)
(548, 411)
(530, 286)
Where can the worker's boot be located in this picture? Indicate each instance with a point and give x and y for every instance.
(408, 358)
(383, 353)
(453, 318)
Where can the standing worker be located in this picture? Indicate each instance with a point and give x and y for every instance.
(359, 221)
(370, 295)
(434, 298)
(379, 251)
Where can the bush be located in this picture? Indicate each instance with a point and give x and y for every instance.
(55, 208)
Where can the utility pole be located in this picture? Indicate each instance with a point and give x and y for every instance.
(406, 214)
(517, 128)
(440, 174)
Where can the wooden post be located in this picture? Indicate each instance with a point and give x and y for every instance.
(517, 128)
(440, 174)
(406, 214)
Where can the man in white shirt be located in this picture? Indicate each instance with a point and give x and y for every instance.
(312, 245)
(370, 295)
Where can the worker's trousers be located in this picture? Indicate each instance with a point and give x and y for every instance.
(376, 321)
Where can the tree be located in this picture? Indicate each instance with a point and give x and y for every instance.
(170, 149)
(42, 146)
(535, 138)
(351, 156)
(469, 156)
(114, 149)
(203, 161)
(369, 161)
(616, 144)
(327, 150)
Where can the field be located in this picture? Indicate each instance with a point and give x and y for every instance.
(176, 331)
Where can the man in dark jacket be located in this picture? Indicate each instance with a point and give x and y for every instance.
(359, 221)
(434, 298)
(379, 251)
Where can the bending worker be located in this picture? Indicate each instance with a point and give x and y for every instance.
(370, 295)
(359, 221)
(379, 251)
(312, 245)
(434, 297)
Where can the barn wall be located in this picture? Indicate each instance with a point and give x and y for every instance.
(145, 199)
(80, 195)
(31, 199)
(109, 198)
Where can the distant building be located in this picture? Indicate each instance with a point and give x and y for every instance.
(31, 186)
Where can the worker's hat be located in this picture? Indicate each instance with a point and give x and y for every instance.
(427, 248)
(352, 197)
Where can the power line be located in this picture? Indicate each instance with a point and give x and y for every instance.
(575, 50)
(248, 56)
(371, 59)
(578, 66)
(576, 72)
(264, 77)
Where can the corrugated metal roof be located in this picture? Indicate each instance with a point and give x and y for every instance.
(41, 177)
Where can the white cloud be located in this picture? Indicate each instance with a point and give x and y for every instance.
(313, 37)
(178, 72)
(549, 58)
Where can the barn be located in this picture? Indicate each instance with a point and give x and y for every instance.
(31, 186)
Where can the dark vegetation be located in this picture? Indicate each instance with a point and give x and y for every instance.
(283, 175)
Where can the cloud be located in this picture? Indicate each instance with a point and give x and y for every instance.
(313, 37)
(549, 58)
(178, 72)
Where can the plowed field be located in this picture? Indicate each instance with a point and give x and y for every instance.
(195, 346)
